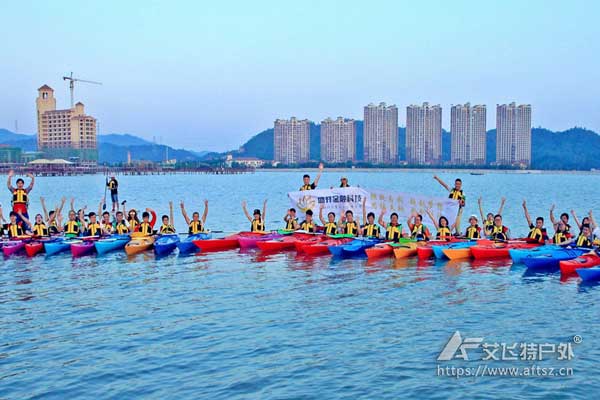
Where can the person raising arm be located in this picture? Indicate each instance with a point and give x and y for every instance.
(537, 232)
(306, 180)
(329, 225)
(444, 232)
(370, 228)
(257, 220)
(196, 224)
(488, 220)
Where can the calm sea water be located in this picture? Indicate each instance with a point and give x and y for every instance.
(247, 325)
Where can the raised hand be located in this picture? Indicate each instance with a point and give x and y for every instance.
(321, 166)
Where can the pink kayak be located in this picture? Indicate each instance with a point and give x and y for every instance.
(249, 239)
(82, 248)
(12, 247)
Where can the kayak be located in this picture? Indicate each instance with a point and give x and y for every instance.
(165, 244)
(13, 246)
(58, 246)
(589, 274)
(552, 261)
(498, 250)
(323, 246)
(353, 248)
(284, 243)
(248, 240)
(138, 245)
(220, 244)
(517, 255)
(112, 243)
(438, 250)
(34, 248)
(584, 261)
(187, 245)
(82, 248)
(457, 253)
(405, 250)
(301, 244)
(380, 250)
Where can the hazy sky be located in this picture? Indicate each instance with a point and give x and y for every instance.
(209, 75)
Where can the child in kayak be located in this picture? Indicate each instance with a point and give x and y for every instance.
(444, 232)
(537, 232)
(50, 217)
(585, 237)
(561, 234)
(196, 224)
(473, 231)
(499, 232)
(72, 228)
(370, 229)
(39, 228)
(348, 225)
(306, 185)
(455, 193)
(146, 227)
(257, 220)
(488, 220)
(584, 221)
(92, 227)
(167, 228)
(120, 225)
(290, 219)
(418, 231)
(308, 225)
(393, 230)
(132, 219)
(13, 228)
(564, 217)
(329, 226)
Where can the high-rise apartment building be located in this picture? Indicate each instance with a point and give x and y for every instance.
(292, 140)
(381, 134)
(468, 132)
(513, 134)
(338, 140)
(424, 134)
(63, 133)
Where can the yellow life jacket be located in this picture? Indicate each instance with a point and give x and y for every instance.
(20, 197)
(146, 228)
(133, 224)
(122, 228)
(499, 233)
(307, 226)
(488, 227)
(289, 225)
(167, 229)
(536, 233)
(393, 232)
(72, 228)
(583, 241)
(108, 228)
(195, 227)
(350, 228)
(330, 228)
(257, 225)
(456, 194)
(40, 229)
(306, 187)
(473, 232)
(443, 232)
(53, 227)
(94, 229)
(418, 232)
(371, 230)
(14, 230)
(559, 237)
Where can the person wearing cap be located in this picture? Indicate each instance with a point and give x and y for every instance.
(306, 185)
(257, 220)
(344, 182)
(473, 231)
(20, 194)
(113, 186)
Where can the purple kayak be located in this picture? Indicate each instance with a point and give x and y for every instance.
(12, 247)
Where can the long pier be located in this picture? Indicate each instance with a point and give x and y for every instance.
(73, 170)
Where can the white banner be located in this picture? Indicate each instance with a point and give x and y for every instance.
(339, 200)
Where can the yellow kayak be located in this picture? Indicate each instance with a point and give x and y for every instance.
(455, 254)
(139, 245)
(405, 250)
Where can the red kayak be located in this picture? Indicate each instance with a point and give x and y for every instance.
(34, 248)
(82, 248)
(323, 246)
(498, 250)
(249, 240)
(221, 244)
(379, 250)
(284, 243)
(569, 267)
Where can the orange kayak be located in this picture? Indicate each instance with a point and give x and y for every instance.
(456, 254)
(379, 250)
(139, 245)
(405, 250)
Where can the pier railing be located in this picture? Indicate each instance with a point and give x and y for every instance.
(68, 170)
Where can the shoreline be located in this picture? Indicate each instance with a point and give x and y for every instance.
(440, 170)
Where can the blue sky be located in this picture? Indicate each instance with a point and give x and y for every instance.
(209, 75)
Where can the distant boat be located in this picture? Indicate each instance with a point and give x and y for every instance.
(477, 173)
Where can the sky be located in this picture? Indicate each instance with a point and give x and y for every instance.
(210, 75)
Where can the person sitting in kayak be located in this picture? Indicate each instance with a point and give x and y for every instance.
(120, 225)
(329, 226)
(585, 237)
(584, 221)
(196, 224)
(290, 219)
(454, 193)
(500, 233)
(257, 220)
(306, 180)
(561, 235)
(473, 231)
(348, 225)
(92, 227)
(132, 218)
(444, 232)
(72, 228)
(50, 217)
(418, 231)
(13, 227)
(39, 228)
(564, 217)
(537, 232)
(20, 194)
(370, 229)
(146, 227)
(393, 230)
(167, 227)
(106, 224)
(308, 225)
(488, 220)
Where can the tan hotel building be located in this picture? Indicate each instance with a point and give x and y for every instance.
(338, 140)
(291, 140)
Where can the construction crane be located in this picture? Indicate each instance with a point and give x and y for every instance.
(72, 84)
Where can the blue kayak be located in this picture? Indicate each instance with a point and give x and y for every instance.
(517, 255)
(354, 248)
(551, 261)
(112, 243)
(59, 246)
(438, 249)
(589, 274)
(165, 244)
(187, 245)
